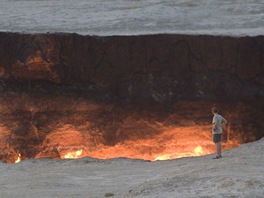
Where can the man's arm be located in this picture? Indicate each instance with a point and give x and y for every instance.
(224, 122)
(213, 123)
(213, 126)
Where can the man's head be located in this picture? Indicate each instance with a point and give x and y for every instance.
(214, 110)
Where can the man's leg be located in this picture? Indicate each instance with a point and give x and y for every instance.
(218, 149)
(218, 146)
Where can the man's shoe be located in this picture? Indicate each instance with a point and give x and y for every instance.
(217, 157)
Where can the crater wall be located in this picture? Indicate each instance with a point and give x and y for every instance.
(49, 81)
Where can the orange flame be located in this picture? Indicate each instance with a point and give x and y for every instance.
(198, 151)
(172, 143)
(18, 158)
(73, 154)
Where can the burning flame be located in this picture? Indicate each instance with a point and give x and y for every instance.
(73, 154)
(163, 157)
(172, 143)
(198, 151)
(18, 158)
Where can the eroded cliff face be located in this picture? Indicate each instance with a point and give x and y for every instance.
(101, 96)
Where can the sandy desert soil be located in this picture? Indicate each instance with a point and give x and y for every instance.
(128, 17)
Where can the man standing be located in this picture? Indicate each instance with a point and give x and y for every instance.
(217, 123)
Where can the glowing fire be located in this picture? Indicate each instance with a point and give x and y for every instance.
(163, 157)
(173, 143)
(73, 154)
(18, 158)
(198, 151)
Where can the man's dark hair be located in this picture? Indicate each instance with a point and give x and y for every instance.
(214, 110)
